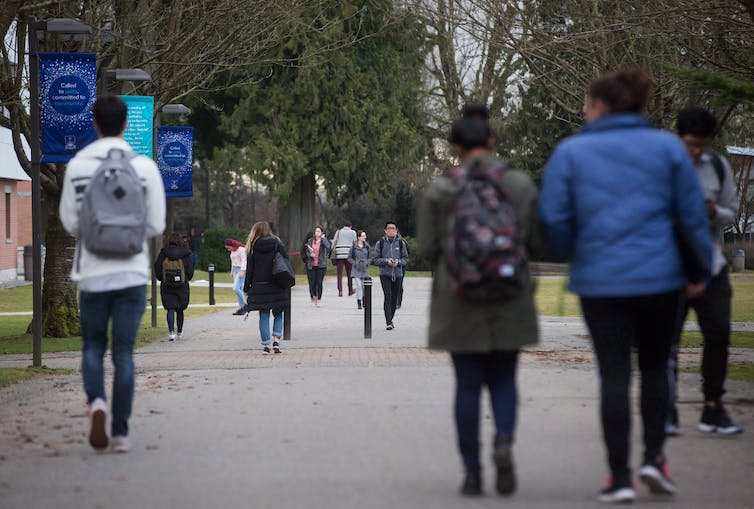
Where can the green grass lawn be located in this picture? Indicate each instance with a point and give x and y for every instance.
(738, 339)
(742, 372)
(10, 376)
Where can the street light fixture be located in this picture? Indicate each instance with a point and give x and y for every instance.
(57, 25)
(124, 75)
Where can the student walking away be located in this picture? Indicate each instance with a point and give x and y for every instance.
(111, 262)
(195, 243)
(317, 250)
(265, 295)
(391, 256)
(696, 127)
(614, 210)
(359, 257)
(174, 268)
(342, 242)
(482, 305)
(237, 271)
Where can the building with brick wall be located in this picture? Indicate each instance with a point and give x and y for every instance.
(15, 209)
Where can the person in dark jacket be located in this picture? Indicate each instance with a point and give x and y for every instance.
(175, 298)
(360, 258)
(317, 250)
(264, 294)
(391, 256)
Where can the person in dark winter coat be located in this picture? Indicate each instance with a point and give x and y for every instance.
(175, 298)
(264, 294)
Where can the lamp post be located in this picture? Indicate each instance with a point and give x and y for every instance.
(168, 109)
(63, 26)
(123, 75)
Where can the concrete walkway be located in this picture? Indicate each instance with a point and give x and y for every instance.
(336, 421)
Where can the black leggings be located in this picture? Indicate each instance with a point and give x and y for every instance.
(316, 275)
(616, 324)
(171, 319)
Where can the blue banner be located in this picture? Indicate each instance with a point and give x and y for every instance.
(139, 124)
(67, 91)
(175, 160)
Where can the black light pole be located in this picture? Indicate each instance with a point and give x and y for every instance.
(58, 25)
(168, 109)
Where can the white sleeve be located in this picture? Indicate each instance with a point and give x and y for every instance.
(727, 207)
(155, 202)
(69, 208)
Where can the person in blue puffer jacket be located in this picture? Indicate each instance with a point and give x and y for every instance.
(610, 199)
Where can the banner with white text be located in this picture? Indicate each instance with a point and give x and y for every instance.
(67, 91)
(175, 160)
(139, 123)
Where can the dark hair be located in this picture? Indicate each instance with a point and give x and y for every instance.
(476, 110)
(175, 239)
(110, 113)
(272, 226)
(358, 233)
(696, 121)
(623, 91)
(470, 132)
(391, 222)
(347, 223)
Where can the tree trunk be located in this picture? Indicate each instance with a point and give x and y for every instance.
(297, 216)
(60, 311)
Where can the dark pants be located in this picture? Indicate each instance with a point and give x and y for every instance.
(713, 314)
(616, 324)
(400, 294)
(123, 310)
(171, 319)
(340, 264)
(316, 275)
(496, 370)
(390, 287)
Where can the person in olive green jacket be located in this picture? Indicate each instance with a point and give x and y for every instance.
(483, 337)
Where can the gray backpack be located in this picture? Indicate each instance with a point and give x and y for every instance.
(113, 217)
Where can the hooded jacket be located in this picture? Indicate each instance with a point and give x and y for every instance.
(174, 297)
(79, 172)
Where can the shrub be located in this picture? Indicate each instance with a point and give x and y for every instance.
(415, 261)
(213, 249)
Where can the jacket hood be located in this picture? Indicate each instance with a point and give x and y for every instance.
(100, 147)
(266, 244)
(175, 252)
(616, 121)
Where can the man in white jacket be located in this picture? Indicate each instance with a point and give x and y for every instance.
(110, 289)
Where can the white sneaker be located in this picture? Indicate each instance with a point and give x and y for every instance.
(121, 444)
(179, 336)
(98, 419)
(171, 336)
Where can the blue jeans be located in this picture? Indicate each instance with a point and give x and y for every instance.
(496, 370)
(264, 325)
(125, 309)
(238, 286)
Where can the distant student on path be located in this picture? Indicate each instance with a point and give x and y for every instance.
(360, 257)
(317, 250)
(696, 127)
(195, 243)
(265, 295)
(113, 291)
(237, 271)
(342, 242)
(174, 269)
(391, 256)
(612, 197)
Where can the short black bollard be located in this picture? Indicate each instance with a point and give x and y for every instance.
(367, 307)
(211, 270)
(287, 317)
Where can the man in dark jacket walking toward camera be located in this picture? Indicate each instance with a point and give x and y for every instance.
(391, 256)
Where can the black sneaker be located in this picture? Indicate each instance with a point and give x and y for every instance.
(266, 350)
(657, 478)
(472, 483)
(390, 326)
(503, 458)
(276, 347)
(239, 312)
(617, 493)
(716, 420)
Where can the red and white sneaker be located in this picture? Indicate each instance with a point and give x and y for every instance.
(657, 478)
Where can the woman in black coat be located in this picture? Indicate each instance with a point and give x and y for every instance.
(264, 294)
(175, 295)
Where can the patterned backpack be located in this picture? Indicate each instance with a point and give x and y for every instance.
(486, 256)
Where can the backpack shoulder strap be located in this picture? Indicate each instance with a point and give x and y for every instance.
(717, 162)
